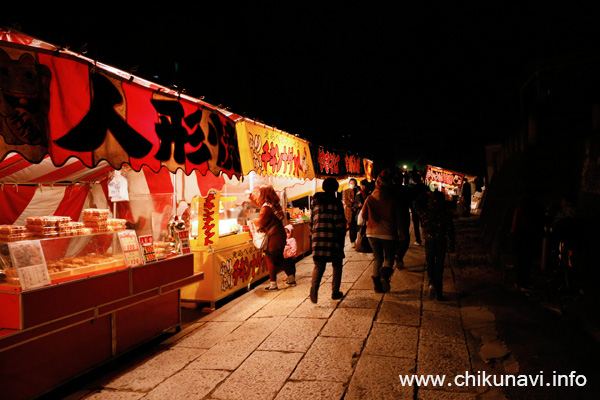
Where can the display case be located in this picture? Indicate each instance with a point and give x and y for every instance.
(70, 304)
(29, 264)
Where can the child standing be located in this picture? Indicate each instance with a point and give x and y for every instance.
(289, 256)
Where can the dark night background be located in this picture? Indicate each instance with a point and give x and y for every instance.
(407, 84)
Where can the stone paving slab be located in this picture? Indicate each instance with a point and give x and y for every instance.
(443, 395)
(364, 281)
(115, 395)
(188, 384)
(294, 334)
(209, 334)
(311, 390)
(358, 298)
(145, 377)
(441, 327)
(449, 359)
(244, 308)
(329, 359)
(349, 322)
(260, 377)
(393, 340)
(289, 299)
(376, 377)
(323, 309)
(229, 353)
(395, 310)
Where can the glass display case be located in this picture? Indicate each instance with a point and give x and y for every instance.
(28, 264)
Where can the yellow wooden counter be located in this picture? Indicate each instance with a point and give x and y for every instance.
(228, 268)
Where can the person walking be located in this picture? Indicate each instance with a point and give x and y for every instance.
(328, 234)
(438, 231)
(466, 196)
(417, 189)
(270, 220)
(402, 195)
(382, 216)
(348, 197)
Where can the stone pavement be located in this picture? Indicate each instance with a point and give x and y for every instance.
(279, 345)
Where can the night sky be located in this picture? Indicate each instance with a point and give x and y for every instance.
(410, 84)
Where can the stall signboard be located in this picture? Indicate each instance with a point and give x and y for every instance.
(130, 247)
(238, 267)
(444, 176)
(30, 263)
(271, 152)
(72, 106)
(208, 220)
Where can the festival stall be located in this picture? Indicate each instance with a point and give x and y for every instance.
(220, 239)
(448, 182)
(82, 279)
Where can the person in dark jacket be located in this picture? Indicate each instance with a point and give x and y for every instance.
(417, 188)
(328, 234)
(270, 220)
(438, 232)
(402, 195)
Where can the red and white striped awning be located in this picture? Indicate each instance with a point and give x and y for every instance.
(28, 189)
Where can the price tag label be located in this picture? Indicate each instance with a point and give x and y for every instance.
(147, 243)
(184, 239)
(130, 247)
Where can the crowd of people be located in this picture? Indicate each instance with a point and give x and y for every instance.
(385, 208)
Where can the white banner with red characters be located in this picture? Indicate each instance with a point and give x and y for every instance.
(444, 176)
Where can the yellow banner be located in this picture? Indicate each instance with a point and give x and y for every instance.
(271, 152)
(237, 267)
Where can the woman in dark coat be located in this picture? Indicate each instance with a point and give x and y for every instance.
(270, 220)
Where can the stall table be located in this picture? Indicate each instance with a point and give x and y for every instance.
(231, 266)
(55, 333)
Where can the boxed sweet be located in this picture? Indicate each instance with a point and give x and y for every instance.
(15, 237)
(6, 230)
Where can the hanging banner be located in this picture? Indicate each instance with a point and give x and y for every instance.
(368, 167)
(354, 165)
(444, 176)
(206, 226)
(329, 162)
(271, 152)
(117, 188)
(56, 102)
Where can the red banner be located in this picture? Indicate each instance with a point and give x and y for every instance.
(61, 104)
